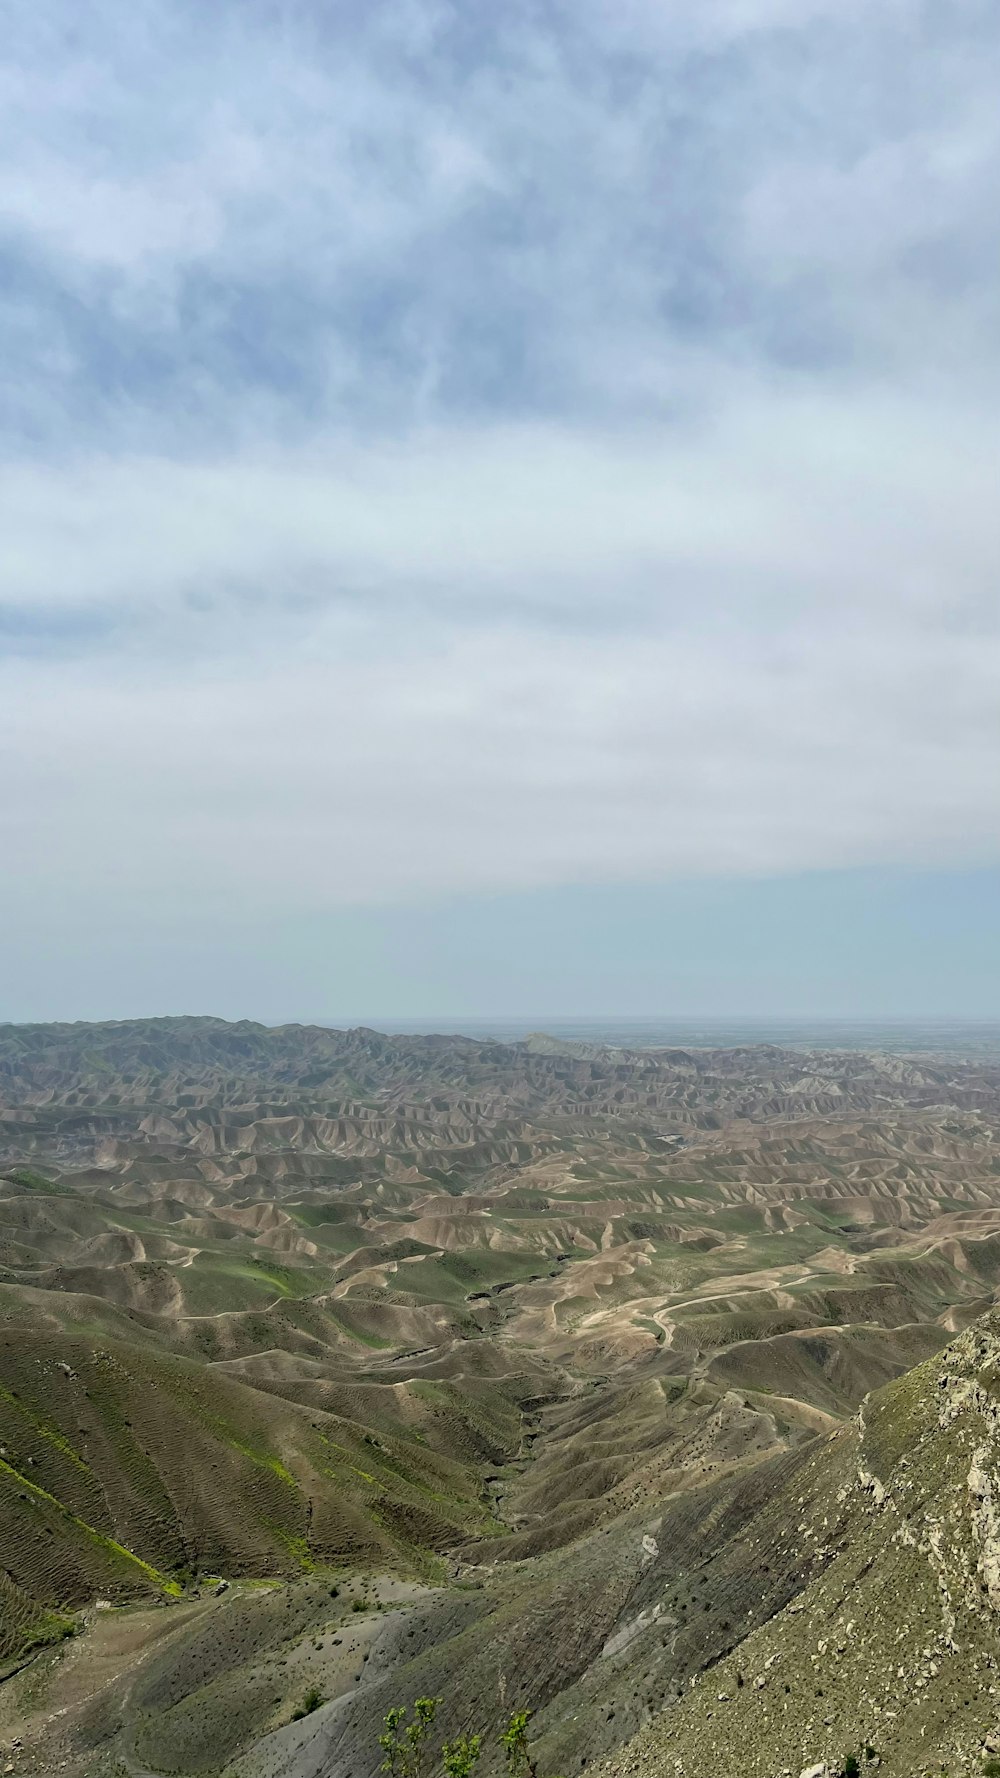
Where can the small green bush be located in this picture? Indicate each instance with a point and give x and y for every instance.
(851, 1767)
(514, 1742)
(460, 1757)
(312, 1701)
(404, 1747)
(404, 1744)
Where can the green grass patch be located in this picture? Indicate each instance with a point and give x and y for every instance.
(45, 1431)
(357, 1334)
(29, 1180)
(89, 1531)
(296, 1545)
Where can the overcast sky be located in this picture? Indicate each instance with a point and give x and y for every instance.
(499, 505)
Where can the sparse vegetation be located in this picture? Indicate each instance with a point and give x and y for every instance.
(405, 1743)
(312, 1701)
(407, 1747)
(261, 1338)
(460, 1758)
(514, 1741)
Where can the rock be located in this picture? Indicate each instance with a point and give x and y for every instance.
(820, 1771)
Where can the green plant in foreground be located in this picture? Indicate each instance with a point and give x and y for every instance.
(851, 1767)
(404, 1747)
(460, 1756)
(514, 1742)
(391, 1742)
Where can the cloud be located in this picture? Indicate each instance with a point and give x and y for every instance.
(778, 499)
(227, 221)
(353, 769)
(463, 451)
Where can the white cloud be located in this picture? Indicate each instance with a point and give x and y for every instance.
(216, 211)
(770, 645)
(780, 497)
(503, 451)
(346, 769)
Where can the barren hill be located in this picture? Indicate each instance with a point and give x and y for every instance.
(538, 1352)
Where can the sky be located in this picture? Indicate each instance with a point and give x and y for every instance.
(498, 508)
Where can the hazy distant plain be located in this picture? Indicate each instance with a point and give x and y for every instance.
(902, 1036)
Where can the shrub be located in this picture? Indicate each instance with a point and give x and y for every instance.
(459, 1757)
(404, 1744)
(851, 1767)
(404, 1747)
(514, 1742)
(312, 1701)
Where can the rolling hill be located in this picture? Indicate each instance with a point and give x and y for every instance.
(518, 1373)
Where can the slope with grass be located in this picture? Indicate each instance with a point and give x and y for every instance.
(533, 1342)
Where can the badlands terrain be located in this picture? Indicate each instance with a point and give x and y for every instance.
(655, 1390)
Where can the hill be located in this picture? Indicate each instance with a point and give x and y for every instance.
(519, 1373)
(826, 1601)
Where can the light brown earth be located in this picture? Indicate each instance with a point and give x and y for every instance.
(502, 1333)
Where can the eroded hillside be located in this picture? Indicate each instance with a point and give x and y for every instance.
(504, 1343)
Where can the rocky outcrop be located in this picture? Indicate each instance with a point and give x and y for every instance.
(890, 1653)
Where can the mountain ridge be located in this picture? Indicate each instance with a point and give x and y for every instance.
(512, 1349)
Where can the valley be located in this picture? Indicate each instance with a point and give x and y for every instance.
(350, 1368)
